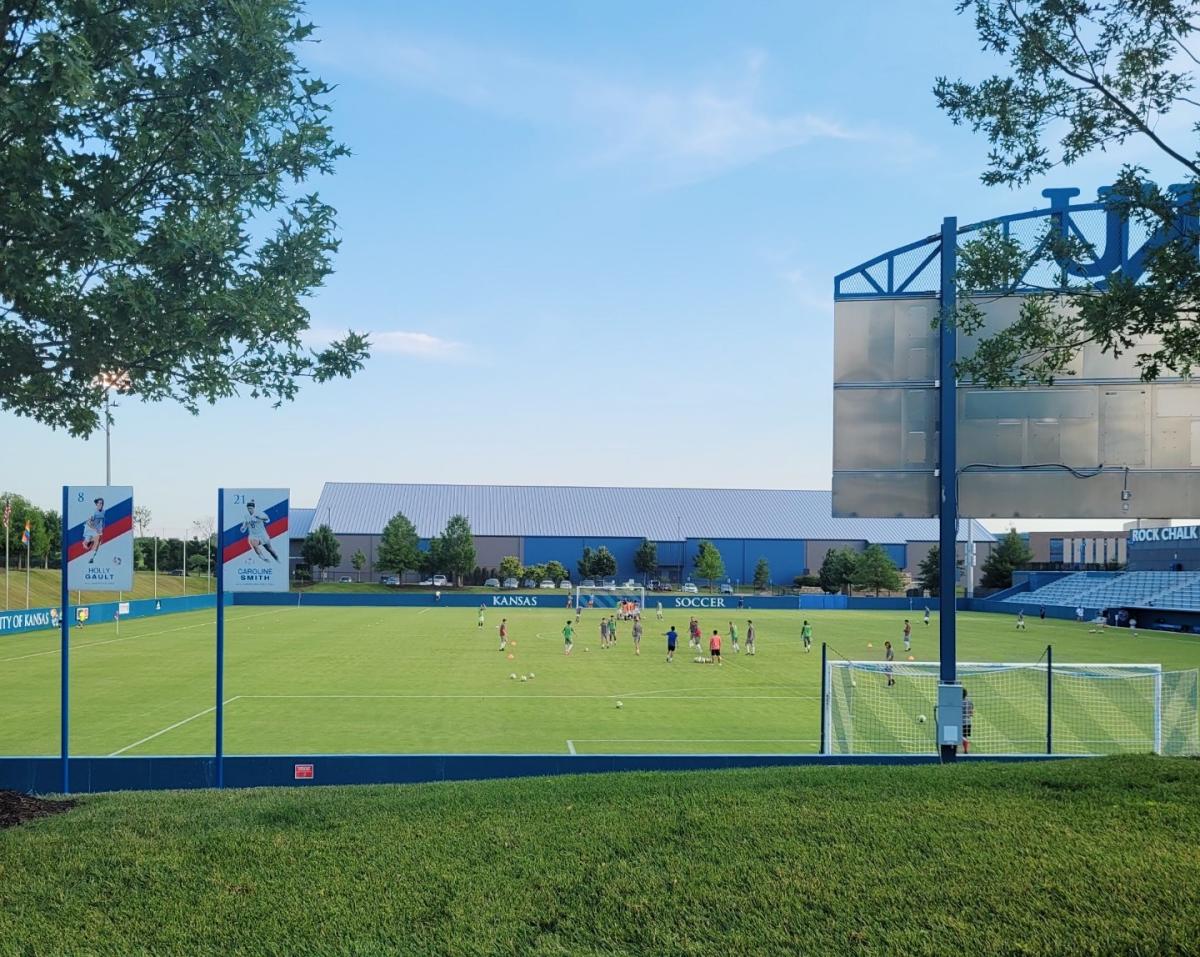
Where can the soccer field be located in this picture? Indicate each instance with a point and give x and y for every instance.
(361, 680)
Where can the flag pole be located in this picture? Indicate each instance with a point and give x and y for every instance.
(7, 523)
(28, 539)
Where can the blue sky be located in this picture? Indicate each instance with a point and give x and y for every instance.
(594, 244)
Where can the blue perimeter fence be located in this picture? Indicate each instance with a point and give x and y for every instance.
(42, 774)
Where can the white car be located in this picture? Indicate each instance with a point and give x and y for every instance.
(564, 584)
(511, 583)
(630, 583)
(690, 588)
(547, 583)
(439, 581)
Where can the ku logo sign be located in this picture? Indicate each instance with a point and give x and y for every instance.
(527, 600)
(699, 602)
(1182, 533)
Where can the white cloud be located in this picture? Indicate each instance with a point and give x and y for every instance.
(679, 132)
(420, 345)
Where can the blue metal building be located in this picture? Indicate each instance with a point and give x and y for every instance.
(791, 529)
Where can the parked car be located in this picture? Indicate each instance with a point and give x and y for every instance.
(689, 587)
(610, 584)
(440, 581)
(492, 583)
(662, 586)
(565, 583)
(511, 583)
(726, 589)
(546, 583)
(630, 583)
(529, 583)
(389, 580)
(345, 580)
(427, 581)
(587, 583)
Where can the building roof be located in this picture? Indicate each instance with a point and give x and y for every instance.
(300, 521)
(659, 514)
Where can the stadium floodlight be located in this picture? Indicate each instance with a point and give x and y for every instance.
(107, 381)
(876, 707)
(605, 596)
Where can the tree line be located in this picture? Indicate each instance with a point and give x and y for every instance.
(453, 553)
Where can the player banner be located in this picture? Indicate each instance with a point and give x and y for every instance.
(254, 539)
(98, 533)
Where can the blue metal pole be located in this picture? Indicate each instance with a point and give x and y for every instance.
(1049, 699)
(219, 755)
(64, 662)
(948, 464)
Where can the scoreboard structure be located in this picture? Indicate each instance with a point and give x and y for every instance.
(1098, 443)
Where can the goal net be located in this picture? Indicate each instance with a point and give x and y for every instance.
(601, 596)
(1019, 708)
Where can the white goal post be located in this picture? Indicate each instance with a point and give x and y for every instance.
(877, 707)
(602, 596)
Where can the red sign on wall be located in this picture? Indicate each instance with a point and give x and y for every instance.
(304, 772)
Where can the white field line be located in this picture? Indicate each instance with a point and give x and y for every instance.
(528, 697)
(171, 727)
(570, 746)
(424, 610)
(145, 634)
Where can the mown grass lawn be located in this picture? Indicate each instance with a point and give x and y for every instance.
(1082, 857)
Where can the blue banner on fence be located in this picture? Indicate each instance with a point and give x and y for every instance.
(35, 619)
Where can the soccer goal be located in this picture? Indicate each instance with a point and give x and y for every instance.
(874, 707)
(601, 596)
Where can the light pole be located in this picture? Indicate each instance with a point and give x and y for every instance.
(108, 381)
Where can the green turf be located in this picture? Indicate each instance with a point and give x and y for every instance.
(1078, 857)
(327, 680)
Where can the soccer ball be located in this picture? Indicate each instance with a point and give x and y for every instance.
(524, 677)
(511, 656)
(620, 704)
(514, 677)
(911, 658)
(869, 645)
(920, 719)
(531, 674)
(853, 683)
(587, 649)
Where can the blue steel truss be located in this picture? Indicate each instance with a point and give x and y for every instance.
(1117, 245)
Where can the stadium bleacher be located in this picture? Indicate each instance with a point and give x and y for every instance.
(1095, 591)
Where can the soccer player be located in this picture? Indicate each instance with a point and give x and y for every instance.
(578, 611)
(672, 637)
(1133, 626)
(926, 616)
(733, 638)
(603, 632)
(637, 634)
(93, 530)
(1079, 614)
(694, 632)
(805, 633)
(714, 646)
(907, 636)
(1042, 613)
(1021, 620)
(658, 611)
(568, 637)
(503, 626)
(968, 715)
(612, 629)
(889, 654)
(255, 527)
(749, 637)
(481, 609)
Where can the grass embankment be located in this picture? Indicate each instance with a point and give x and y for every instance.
(1084, 857)
(44, 585)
